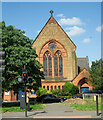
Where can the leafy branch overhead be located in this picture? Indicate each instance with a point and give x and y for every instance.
(19, 52)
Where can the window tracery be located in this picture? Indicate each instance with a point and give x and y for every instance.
(55, 59)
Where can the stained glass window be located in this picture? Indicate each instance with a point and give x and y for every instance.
(47, 61)
(52, 45)
(60, 66)
(56, 65)
(50, 65)
(45, 65)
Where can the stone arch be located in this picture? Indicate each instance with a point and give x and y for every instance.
(52, 50)
(84, 84)
(82, 79)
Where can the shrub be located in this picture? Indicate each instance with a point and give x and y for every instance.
(68, 97)
(70, 89)
(42, 91)
(57, 92)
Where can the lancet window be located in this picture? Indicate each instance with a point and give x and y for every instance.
(47, 61)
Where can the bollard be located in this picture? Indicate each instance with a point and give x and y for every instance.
(97, 104)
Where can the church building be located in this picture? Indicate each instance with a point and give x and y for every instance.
(57, 53)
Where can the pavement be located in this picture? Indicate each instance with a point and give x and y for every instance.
(53, 110)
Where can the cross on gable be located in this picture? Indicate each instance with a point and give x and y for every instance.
(51, 12)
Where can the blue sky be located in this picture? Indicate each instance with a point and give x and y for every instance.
(80, 20)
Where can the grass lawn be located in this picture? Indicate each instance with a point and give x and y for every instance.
(35, 106)
(90, 105)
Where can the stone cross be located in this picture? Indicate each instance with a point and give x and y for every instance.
(51, 12)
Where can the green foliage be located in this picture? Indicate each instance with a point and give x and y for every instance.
(42, 91)
(57, 92)
(96, 77)
(68, 97)
(19, 52)
(70, 89)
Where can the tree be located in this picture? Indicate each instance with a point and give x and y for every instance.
(18, 52)
(96, 77)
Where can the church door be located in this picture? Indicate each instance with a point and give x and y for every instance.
(84, 89)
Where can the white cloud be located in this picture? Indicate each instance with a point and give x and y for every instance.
(73, 31)
(98, 29)
(72, 21)
(60, 15)
(86, 40)
(38, 31)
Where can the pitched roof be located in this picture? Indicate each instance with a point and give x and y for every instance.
(83, 62)
(52, 20)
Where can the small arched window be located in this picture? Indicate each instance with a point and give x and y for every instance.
(47, 87)
(51, 87)
(58, 87)
(55, 87)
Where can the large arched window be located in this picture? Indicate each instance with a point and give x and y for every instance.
(47, 61)
(58, 64)
(53, 60)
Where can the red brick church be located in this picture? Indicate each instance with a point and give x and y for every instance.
(57, 53)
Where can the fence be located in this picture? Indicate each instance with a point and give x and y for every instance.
(98, 100)
(92, 97)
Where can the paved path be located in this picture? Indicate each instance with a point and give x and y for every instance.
(54, 110)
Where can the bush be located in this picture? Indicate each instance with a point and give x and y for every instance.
(68, 97)
(70, 89)
(57, 92)
(42, 91)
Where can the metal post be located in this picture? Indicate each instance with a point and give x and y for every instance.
(97, 104)
(25, 102)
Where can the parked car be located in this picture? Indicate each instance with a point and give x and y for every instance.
(50, 98)
(101, 91)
